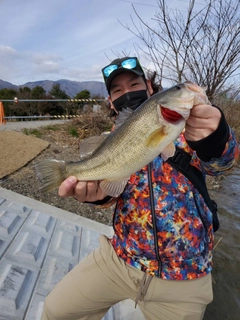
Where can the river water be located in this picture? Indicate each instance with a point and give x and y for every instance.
(226, 269)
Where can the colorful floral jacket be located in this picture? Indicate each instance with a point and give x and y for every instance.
(178, 245)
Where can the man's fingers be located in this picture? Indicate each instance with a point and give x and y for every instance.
(80, 191)
(92, 187)
(83, 191)
(66, 189)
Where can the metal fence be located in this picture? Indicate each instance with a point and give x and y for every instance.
(49, 117)
(32, 118)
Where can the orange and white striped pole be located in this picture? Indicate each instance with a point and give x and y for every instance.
(2, 117)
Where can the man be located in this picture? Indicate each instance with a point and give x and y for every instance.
(161, 253)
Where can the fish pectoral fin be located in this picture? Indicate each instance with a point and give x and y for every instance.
(113, 188)
(156, 137)
(168, 151)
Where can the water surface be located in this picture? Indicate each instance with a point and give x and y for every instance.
(226, 270)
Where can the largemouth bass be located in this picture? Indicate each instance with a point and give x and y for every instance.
(146, 133)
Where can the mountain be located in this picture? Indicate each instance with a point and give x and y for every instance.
(70, 87)
(7, 85)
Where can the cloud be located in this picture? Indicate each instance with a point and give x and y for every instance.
(15, 64)
(6, 50)
(11, 62)
(7, 55)
(45, 63)
(89, 73)
(62, 39)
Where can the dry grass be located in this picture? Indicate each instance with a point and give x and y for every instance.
(64, 140)
(231, 110)
(72, 132)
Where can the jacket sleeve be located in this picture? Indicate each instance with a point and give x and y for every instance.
(104, 203)
(218, 152)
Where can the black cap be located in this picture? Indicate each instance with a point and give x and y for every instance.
(137, 70)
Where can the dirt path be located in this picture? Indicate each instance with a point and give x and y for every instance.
(62, 146)
(19, 125)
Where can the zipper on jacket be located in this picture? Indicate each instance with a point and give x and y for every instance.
(154, 220)
(199, 213)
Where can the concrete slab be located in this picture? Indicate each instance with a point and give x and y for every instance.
(20, 125)
(39, 245)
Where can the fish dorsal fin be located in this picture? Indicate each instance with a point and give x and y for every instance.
(168, 152)
(123, 116)
(113, 188)
(89, 145)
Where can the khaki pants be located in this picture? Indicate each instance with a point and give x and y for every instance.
(102, 279)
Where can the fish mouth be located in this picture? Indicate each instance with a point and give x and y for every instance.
(170, 115)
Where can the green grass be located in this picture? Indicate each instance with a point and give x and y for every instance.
(73, 131)
(50, 127)
(35, 132)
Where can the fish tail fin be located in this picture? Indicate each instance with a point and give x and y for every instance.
(51, 174)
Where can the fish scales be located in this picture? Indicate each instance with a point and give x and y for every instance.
(148, 132)
(117, 155)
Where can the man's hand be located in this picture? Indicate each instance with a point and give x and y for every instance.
(81, 190)
(203, 120)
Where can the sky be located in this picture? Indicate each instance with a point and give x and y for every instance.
(68, 39)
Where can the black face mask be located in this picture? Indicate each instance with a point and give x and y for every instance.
(130, 100)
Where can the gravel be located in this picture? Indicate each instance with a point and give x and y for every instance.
(63, 146)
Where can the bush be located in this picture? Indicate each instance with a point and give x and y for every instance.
(73, 131)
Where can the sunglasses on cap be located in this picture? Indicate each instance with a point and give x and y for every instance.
(120, 65)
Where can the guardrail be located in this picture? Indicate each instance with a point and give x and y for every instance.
(22, 118)
(32, 118)
(27, 117)
(16, 100)
(41, 117)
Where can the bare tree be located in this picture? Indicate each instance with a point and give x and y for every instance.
(201, 46)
